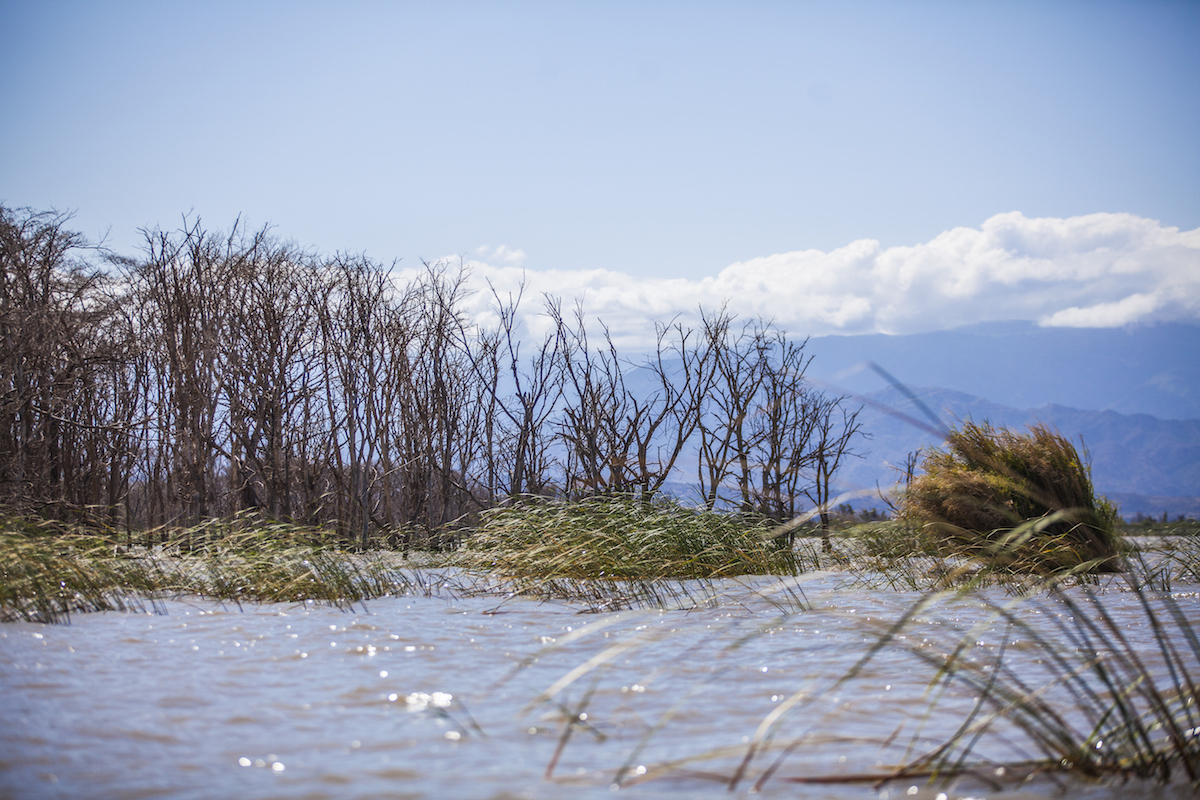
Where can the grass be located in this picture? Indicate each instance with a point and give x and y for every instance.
(49, 572)
(898, 555)
(613, 553)
(667, 558)
(1150, 527)
(1124, 718)
(1081, 699)
(1062, 690)
(623, 538)
(1024, 501)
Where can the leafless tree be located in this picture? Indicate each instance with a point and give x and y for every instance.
(834, 433)
(218, 374)
(726, 434)
(60, 340)
(519, 448)
(782, 429)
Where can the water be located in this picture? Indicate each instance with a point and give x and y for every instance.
(424, 697)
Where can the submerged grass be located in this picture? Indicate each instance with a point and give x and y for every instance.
(1131, 712)
(1067, 690)
(46, 574)
(1083, 697)
(1065, 686)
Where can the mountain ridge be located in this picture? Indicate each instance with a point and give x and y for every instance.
(1151, 369)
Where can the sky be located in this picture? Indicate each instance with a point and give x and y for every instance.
(849, 167)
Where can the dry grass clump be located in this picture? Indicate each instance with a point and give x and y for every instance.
(1020, 501)
(623, 538)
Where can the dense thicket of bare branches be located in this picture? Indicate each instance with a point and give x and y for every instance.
(216, 374)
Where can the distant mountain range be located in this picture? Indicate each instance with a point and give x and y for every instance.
(1131, 395)
(1151, 370)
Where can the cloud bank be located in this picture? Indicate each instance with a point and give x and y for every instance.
(1099, 270)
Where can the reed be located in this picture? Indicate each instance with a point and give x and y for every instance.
(603, 555)
(1094, 703)
(45, 576)
(977, 495)
(607, 538)
(1084, 698)
(49, 572)
(1163, 561)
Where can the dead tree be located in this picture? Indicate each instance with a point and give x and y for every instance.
(518, 448)
(782, 428)
(62, 342)
(724, 419)
(836, 428)
(597, 409)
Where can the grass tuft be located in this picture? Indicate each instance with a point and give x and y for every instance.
(1018, 501)
(622, 538)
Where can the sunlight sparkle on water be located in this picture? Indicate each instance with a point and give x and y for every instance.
(419, 701)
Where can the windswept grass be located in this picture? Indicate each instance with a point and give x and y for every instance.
(1067, 684)
(1152, 527)
(46, 574)
(1129, 710)
(978, 495)
(623, 538)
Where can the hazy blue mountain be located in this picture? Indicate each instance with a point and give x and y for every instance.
(1142, 370)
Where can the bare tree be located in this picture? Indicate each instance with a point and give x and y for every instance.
(535, 386)
(182, 289)
(219, 373)
(782, 428)
(595, 407)
(270, 368)
(662, 424)
(726, 434)
(836, 427)
(59, 324)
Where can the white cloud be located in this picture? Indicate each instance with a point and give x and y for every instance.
(1099, 270)
(501, 253)
(1105, 315)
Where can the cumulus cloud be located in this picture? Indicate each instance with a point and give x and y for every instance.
(1099, 270)
(502, 254)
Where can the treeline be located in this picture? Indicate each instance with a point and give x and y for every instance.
(215, 374)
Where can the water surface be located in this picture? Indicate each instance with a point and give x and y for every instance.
(419, 697)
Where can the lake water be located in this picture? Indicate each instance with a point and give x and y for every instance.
(418, 697)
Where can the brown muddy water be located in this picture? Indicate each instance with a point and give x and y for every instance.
(419, 697)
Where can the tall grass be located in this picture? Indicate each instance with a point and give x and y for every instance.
(48, 573)
(1129, 711)
(977, 494)
(624, 538)
(1062, 689)
(1067, 683)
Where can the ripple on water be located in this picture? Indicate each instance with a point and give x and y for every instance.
(433, 698)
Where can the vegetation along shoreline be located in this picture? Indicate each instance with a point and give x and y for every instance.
(228, 416)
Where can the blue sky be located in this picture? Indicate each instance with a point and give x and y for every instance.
(844, 167)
